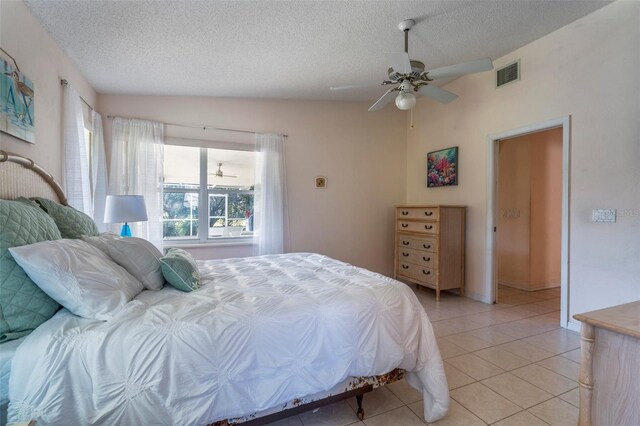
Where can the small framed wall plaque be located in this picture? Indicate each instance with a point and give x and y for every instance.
(321, 182)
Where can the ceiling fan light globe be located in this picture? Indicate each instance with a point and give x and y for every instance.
(405, 101)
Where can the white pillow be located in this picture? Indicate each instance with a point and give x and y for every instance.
(140, 258)
(78, 276)
(100, 241)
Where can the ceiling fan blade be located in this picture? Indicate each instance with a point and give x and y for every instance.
(215, 175)
(479, 65)
(437, 93)
(384, 100)
(399, 61)
(353, 86)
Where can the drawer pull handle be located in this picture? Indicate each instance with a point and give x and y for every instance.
(426, 246)
(426, 259)
(426, 272)
(405, 213)
(428, 213)
(404, 225)
(405, 254)
(405, 243)
(428, 226)
(405, 266)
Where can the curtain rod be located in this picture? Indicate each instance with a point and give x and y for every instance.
(207, 127)
(65, 82)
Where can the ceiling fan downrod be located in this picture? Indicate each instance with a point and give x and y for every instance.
(406, 41)
(405, 26)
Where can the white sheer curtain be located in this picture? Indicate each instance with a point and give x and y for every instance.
(137, 169)
(99, 182)
(77, 184)
(269, 195)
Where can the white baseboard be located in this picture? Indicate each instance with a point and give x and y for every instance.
(574, 326)
(479, 297)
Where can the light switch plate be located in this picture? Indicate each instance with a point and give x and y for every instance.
(604, 215)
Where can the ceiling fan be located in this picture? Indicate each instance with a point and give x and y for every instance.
(220, 174)
(410, 77)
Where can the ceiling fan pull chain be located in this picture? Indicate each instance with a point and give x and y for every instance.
(411, 124)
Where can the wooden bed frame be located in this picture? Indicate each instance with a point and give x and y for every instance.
(22, 177)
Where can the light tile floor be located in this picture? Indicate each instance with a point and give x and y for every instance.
(507, 364)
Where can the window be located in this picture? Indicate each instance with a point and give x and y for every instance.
(215, 182)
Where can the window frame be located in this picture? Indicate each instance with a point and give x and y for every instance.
(203, 192)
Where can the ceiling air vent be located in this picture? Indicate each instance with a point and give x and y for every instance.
(508, 74)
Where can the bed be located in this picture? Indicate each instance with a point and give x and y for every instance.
(263, 338)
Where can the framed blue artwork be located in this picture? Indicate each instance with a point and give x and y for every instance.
(16, 103)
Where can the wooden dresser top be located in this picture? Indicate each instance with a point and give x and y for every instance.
(624, 319)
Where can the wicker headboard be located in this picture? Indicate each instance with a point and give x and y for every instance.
(20, 176)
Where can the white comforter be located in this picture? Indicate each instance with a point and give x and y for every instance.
(261, 331)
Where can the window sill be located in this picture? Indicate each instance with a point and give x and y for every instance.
(208, 244)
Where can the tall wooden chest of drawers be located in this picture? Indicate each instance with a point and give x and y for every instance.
(430, 246)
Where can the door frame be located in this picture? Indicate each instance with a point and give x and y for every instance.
(491, 276)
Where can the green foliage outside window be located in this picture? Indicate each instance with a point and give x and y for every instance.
(180, 214)
(240, 208)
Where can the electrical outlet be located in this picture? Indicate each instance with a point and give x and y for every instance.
(603, 215)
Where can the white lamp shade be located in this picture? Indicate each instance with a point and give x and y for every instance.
(125, 208)
(405, 100)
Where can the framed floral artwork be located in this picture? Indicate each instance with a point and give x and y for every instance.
(442, 167)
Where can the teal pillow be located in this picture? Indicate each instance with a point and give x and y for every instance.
(71, 222)
(23, 306)
(180, 270)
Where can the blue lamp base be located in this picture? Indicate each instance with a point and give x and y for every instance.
(125, 231)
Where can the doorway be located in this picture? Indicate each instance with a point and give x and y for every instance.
(524, 254)
(529, 218)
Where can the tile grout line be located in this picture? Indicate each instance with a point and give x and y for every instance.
(496, 345)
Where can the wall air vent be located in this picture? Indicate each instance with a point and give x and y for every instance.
(508, 74)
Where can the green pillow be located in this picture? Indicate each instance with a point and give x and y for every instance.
(23, 306)
(71, 222)
(180, 270)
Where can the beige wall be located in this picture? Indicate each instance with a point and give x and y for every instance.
(44, 63)
(361, 153)
(588, 70)
(530, 210)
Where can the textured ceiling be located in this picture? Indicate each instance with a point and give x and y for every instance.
(287, 50)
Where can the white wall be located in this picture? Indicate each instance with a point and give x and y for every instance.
(588, 70)
(361, 153)
(44, 63)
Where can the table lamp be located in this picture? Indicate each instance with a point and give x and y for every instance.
(125, 208)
